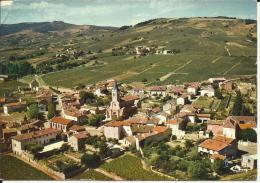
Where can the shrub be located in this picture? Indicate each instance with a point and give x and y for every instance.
(90, 160)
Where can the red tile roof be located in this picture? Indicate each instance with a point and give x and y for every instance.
(15, 104)
(36, 134)
(130, 98)
(175, 121)
(157, 88)
(61, 120)
(77, 128)
(160, 129)
(82, 135)
(216, 144)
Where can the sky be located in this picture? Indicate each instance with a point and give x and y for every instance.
(120, 12)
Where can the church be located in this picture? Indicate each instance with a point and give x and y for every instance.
(121, 108)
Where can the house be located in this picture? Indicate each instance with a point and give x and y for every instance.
(129, 141)
(40, 137)
(182, 100)
(175, 91)
(163, 117)
(234, 124)
(60, 123)
(207, 91)
(203, 117)
(14, 107)
(74, 115)
(137, 91)
(170, 107)
(216, 80)
(227, 85)
(165, 52)
(249, 161)
(192, 88)
(157, 91)
(8, 133)
(215, 126)
(214, 157)
(158, 133)
(78, 141)
(121, 107)
(178, 127)
(2, 101)
(219, 145)
(34, 85)
(76, 129)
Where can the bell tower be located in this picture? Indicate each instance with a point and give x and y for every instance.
(115, 93)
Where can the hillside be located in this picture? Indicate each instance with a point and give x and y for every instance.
(204, 47)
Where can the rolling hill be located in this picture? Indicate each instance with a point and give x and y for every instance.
(207, 47)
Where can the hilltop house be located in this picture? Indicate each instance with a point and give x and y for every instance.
(40, 137)
(216, 80)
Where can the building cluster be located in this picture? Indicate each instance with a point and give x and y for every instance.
(133, 118)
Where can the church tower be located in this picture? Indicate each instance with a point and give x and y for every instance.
(115, 93)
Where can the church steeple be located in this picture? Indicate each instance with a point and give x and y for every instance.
(115, 92)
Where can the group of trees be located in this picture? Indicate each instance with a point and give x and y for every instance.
(51, 110)
(240, 109)
(18, 69)
(94, 120)
(33, 147)
(90, 160)
(33, 111)
(90, 99)
(66, 167)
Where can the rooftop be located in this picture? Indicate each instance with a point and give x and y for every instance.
(61, 120)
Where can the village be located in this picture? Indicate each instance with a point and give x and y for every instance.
(66, 132)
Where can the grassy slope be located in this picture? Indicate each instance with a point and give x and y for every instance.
(14, 169)
(9, 86)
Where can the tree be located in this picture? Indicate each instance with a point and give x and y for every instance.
(90, 160)
(33, 111)
(211, 134)
(237, 105)
(104, 151)
(33, 147)
(218, 166)
(94, 120)
(51, 110)
(197, 170)
(248, 135)
(188, 144)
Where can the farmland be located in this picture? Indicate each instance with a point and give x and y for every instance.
(134, 170)
(15, 169)
(202, 45)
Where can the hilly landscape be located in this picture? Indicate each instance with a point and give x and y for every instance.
(67, 55)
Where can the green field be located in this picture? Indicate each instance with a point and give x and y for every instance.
(130, 167)
(153, 67)
(14, 169)
(91, 175)
(199, 57)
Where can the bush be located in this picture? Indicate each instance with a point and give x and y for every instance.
(66, 167)
(33, 147)
(218, 166)
(248, 135)
(90, 160)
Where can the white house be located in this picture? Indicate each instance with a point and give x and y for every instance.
(77, 141)
(177, 126)
(182, 100)
(209, 91)
(14, 107)
(40, 137)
